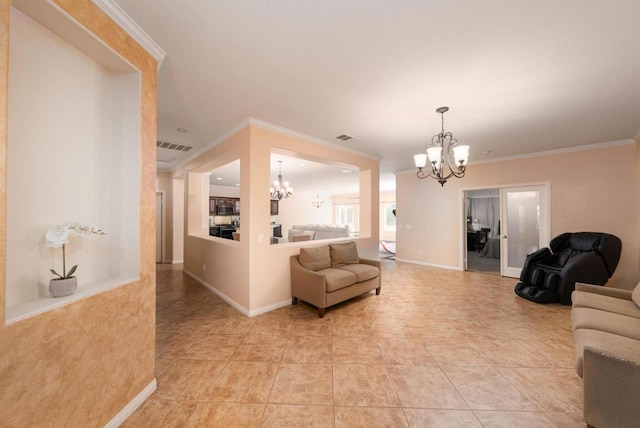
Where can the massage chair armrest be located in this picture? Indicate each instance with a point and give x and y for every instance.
(585, 267)
(534, 257)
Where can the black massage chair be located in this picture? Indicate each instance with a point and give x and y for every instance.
(549, 275)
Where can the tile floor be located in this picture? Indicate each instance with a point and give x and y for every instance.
(437, 348)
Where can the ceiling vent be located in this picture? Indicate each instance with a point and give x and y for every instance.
(173, 146)
(344, 137)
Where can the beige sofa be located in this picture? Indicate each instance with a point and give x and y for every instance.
(330, 274)
(318, 231)
(606, 334)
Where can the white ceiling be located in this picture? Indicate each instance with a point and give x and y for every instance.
(519, 76)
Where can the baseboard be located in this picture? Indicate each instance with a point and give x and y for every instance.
(177, 262)
(218, 293)
(247, 312)
(435, 265)
(269, 308)
(133, 405)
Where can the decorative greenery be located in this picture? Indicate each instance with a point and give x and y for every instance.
(58, 236)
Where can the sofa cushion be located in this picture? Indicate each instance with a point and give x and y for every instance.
(344, 254)
(337, 278)
(635, 296)
(613, 343)
(362, 272)
(594, 319)
(315, 258)
(584, 299)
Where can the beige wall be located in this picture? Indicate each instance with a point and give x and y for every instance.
(254, 274)
(591, 190)
(80, 364)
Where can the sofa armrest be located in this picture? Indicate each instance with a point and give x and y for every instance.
(618, 293)
(611, 390)
(307, 285)
(370, 262)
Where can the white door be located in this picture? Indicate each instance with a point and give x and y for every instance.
(158, 227)
(524, 225)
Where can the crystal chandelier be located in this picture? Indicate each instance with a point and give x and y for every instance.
(317, 202)
(439, 152)
(280, 189)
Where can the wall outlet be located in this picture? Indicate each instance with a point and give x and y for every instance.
(261, 238)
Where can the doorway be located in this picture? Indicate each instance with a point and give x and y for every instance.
(503, 225)
(482, 209)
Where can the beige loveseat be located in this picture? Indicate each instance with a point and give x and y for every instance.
(606, 335)
(330, 274)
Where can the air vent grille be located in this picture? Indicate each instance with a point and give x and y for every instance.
(344, 137)
(173, 146)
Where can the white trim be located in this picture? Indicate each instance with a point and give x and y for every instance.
(124, 21)
(286, 131)
(218, 293)
(543, 153)
(237, 128)
(269, 308)
(435, 265)
(133, 405)
(266, 125)
(559, 151)
(176, 262)
(247, 312)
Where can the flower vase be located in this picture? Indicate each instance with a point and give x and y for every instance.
(63, 287)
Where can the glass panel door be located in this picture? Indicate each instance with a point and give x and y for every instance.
(525, 225)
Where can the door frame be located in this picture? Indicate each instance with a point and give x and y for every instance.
(463, 215)
(162, 225)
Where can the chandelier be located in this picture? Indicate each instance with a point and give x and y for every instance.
(317, 202)
(439, 152)
(280, 189)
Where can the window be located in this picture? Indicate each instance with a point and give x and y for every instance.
(345, 215)
(389, 217)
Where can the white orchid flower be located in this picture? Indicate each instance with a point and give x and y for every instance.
(57, 236)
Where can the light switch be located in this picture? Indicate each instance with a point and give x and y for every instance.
(261, 238)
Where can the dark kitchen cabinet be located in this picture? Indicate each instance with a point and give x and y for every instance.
(274, 207)
(212, 206)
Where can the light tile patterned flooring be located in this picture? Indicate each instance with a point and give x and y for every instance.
(437, 348)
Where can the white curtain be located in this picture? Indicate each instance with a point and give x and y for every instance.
(486, 211)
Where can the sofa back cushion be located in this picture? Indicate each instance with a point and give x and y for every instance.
(635, 296)
(344, 254)
(315, 258)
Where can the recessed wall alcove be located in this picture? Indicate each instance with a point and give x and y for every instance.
(73, 155)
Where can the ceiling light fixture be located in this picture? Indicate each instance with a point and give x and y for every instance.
(317, 202)
(280, 189)
(439, 151)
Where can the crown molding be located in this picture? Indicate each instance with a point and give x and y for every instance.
(545, 153)
(120, 17)
(266, 125)
(309, 138)
(558, 151)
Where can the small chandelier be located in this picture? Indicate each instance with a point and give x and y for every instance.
(280, 189)
(439, 152)
(317, 202)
